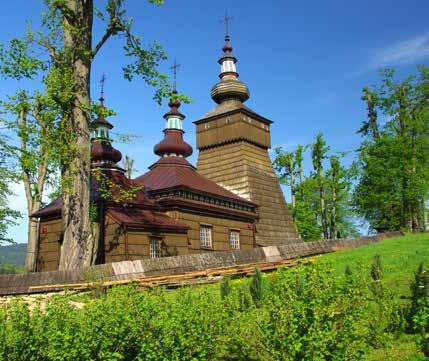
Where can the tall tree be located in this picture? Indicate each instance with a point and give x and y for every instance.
(284, 164)
(8, 216)
(34, 119)
(319, 150)
(67, 42)
(393, 181)
(370, 126)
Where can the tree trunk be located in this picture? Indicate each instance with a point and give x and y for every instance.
(323, 214)
(333, 227)
(78, 248)
(32, 245)
(407, 204)
(292, 181)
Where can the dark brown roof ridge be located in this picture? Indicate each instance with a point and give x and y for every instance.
(229, 107)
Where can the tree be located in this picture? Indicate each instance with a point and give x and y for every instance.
(129, 166)
(66, 40)
(370, 126)
(339, 205)
(8, 216)
(32, 124)
(318, 154)
(284, 164)
(393, 184)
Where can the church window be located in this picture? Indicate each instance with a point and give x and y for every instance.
(206, 236)
(155, 248)
(206, 126)
(234, 239)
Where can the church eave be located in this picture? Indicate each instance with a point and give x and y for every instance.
(234, 111)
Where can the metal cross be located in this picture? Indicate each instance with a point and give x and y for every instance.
(174, 68)
(226, 19)
(102, 81)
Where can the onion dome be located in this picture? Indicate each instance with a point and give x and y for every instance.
(229, 86)
(173, 144)
(102, 153)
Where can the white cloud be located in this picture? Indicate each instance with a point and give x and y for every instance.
(404, 52)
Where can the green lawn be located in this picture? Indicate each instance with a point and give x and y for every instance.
(400, 258)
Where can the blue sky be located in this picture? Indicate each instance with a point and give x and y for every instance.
(305, 64)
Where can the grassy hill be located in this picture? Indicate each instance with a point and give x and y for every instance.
(13, 254)
(12, 258)
(314, 311)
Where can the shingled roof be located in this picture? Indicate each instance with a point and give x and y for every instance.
(176, 172)
(142, 218)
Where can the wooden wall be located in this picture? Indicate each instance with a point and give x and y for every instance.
(246, 170)
(134, 244)
(220, 231)
(233, 127)
(49, 245)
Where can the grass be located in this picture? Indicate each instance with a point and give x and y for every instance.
(400, 258)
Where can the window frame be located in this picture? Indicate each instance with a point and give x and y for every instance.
(157, 253)
(209, 244)
(237, 241)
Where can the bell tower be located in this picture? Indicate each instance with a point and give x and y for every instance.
(233, 143)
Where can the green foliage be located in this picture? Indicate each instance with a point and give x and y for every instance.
(257, 288)
(225, 288)
(306, 221)
(418, 312)
(321, 203)
(13, 254)
(310, 312)
(8, 176)
(393, 165)
(10, 268)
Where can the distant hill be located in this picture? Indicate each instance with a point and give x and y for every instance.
(13, 254)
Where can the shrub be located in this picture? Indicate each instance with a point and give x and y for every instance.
(256, 288)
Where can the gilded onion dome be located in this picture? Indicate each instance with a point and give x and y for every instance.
(229, 87)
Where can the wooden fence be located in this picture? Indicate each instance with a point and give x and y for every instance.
(139, 269)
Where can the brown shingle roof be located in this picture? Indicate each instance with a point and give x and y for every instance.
(117, 177)
(176, 172)
(143, 218)
(231, 106)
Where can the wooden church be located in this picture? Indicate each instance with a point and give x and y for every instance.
(231, 200)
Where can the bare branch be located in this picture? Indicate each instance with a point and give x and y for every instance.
(109, 32)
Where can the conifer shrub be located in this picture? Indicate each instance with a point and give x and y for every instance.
(256, 288)
(418, 312)
(225, 288)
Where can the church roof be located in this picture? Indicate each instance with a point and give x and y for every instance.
(143, 218)
(177, 172)
(228, 107)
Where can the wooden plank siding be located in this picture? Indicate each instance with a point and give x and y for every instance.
(49, 245)
(220, 231)
(245, 169)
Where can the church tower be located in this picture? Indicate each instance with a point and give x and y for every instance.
(233, 143)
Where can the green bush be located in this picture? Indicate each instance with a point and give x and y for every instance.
(304, 313)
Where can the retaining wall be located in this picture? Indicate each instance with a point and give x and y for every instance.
(21, 283)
